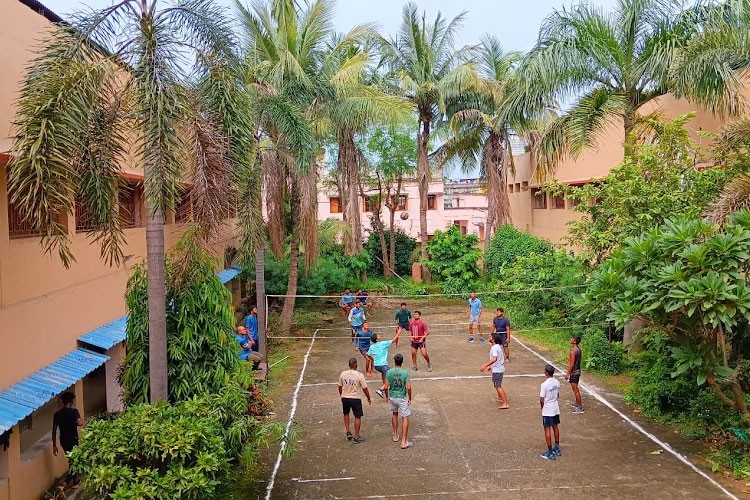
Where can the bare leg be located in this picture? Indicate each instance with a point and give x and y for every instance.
(404, 430)
(557, 434)
(471, 330)
(357, 426)
(506, 351)
(394, 424)
(346, 422)
(577, 394)
(504, 405)
(414, 357)
(424, 355)
(479, 329)
(548, 437)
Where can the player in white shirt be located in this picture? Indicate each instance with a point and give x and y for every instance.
(548, 396)
(497, 364)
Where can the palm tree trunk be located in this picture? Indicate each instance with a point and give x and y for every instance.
(260, 297)
(496, 161)
(423, 181)
(392, 227)
(347, 162)
(287, 312)
(157, 310)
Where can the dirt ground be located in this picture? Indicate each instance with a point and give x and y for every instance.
(464, 446)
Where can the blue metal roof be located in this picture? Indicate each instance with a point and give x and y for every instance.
(22, 399)
(108, 335)
(228, 275)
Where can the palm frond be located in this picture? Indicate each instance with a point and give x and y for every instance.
(734, 197)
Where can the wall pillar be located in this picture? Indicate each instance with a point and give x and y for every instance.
(10, 466)
(78, 391)
(111, 368)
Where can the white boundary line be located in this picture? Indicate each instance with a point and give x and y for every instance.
(323, 479)
(292, 411)
(429, 379)
(636, 426)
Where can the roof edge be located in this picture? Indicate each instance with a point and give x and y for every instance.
(43, 10)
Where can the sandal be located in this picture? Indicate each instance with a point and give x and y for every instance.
(396, 439)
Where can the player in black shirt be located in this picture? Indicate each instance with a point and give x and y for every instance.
(67, 419)
(574, 371)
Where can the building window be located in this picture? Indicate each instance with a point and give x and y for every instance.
(20, 227)
(524, 185)
(84, 221)
(334, 202)
(371, 202)
(183, 211)
(510, 188)
(540, 198)
(128, 200)
(403, 202)
(558, 201)
(431, 202)
(573, 202)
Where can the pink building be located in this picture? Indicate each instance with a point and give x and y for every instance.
(462, 203)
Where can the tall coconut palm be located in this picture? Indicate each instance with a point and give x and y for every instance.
(733, 140)
(613, 63)
(425, 61)
(113, 85)
(481, 127)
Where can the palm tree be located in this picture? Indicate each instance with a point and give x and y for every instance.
(481, 127)
(612, 63)
(430, 70)
(734, 139)
(111, 85)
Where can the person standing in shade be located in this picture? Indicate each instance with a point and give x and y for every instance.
(501, 325)
(496, 365)
(362, 340)
(251, 323)
(399, 387)
(418, 333)
(346, 303)
(574, 372)
(378, 352)
(403, 318)
(351, 383)
(548, 396)
(357, 317)
(475, 314)
(67, 420)
(247, 344)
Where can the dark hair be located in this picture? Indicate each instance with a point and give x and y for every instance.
(398, 359)
(496, 338)
(67, 397)
(577, 338)
(374, 337)
(549, 370)
(403, 303)
(352, 363)
(500, 309)
(417, 312)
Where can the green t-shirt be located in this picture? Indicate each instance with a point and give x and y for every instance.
(397, 378)
(403, 317)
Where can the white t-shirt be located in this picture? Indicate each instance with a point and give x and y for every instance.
(499, 365)
(550, 391)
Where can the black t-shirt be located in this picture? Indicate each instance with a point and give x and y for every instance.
(66, 420)
(501, 324)
(576, 360)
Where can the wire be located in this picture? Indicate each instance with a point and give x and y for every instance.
(417, 297)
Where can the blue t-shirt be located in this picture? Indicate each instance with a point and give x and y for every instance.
(475, 305)
(358, 316)
(251, 323)
(501, 324)
(362, 297)
(347, 299)
(363, 339)
(379, 352)
(243, 340)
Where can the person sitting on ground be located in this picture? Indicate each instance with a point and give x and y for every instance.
(399, 387)
(351, 382)
(362, 296)
(548, 396)
(251, 323)
(378, 353)
(247, 343)
(68, 420)
(346, 303)
(362, 339)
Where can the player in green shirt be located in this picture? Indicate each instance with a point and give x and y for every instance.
(399, 386)
(403, 318)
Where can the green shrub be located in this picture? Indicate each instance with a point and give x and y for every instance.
(331, 273)
(405, 246)
(453, 259)
(735, 457)
(601, 354)
(508, 244)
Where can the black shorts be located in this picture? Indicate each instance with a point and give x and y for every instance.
(503, 339)
(575, 378)
(550, 421)
(354, 405)
(404, 327)
(419, 345)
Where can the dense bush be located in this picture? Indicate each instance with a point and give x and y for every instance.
(453, 259)
(331, 273)
(601, 354)
(201, 352)
(508, 244)
(405, 246)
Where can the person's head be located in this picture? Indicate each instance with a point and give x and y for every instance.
(374, 338)
(241, 330)
(359, 291)
(495, 338)
(366, 326)
(500, 312)
(67, 398)
(358, 304)
(347, 291)
(353, 363)
(398, 359)
(253, 309)
(417, 314)
(575, 340)
(473, 295)
(549, 370)
(403, 306)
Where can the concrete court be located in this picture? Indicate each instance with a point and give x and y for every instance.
(465, 447)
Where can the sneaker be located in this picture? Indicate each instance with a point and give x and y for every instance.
(429, 368)
(360, 439)
(414, 368)
(556, 450)
(470, 339)
(348, 436)
(380, 393)
(578, 410)
(482, 341)
(547, 455)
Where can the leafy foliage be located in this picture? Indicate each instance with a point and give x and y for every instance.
(202, 353)
(508, 244)
(405, 246)
(454, 259)
(601, 354)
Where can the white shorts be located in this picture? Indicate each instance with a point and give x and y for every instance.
(400, 405)
(474, 320)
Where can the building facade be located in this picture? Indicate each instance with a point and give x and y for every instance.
(60, 329)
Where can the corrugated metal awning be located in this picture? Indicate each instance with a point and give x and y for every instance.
(22, 399)
(107, 336)
(228, 275)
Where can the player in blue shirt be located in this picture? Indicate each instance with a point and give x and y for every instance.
(346, 303)
(475, 315)
(251, 323)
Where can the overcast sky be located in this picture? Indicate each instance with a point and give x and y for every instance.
(515, 23)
